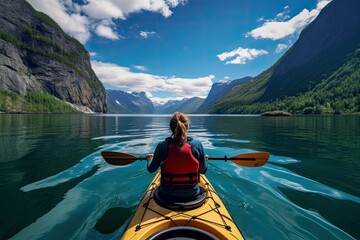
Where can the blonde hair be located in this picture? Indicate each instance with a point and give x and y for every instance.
(179, 125)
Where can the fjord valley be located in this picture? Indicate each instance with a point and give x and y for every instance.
(129, 64)
(45, 70)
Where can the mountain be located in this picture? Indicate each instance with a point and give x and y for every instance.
(218, 90)
(39, 63)
(187, 105)
(318, 74)
(122, 102)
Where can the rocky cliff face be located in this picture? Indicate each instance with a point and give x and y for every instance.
(36, 55)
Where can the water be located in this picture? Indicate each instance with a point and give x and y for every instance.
(54, 183)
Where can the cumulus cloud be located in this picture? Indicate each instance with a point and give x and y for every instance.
(71, 22)
(163, 100)
(106, 32)
(145, 34)
(103, 9)
(240, 55)
(280, 47)
(96, 16)
(261, 19)
(175, 3)
(141, 68)
(282, 26)
(123, 78)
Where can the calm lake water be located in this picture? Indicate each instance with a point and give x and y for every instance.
(54, 183)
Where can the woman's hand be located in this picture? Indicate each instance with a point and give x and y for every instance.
(149, 156)
(207, 157)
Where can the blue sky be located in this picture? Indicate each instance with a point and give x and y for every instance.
(174, 49)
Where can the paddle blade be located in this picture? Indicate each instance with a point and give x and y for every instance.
(256, 159)
(118, 158)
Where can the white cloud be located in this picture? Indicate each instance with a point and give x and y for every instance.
(283, 15)
(279, 28)
(71, 22)
(92, 54)
(261, 19)
(123, 78)
(280, 47)
(322, 3)
(141, 68)
(106, 32)
(97, 15)
(149, 94)
(163, 100)
(145, 34)
(241, 55)
(175, 3)
(103, 9)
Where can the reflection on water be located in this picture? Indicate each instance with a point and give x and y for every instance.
(54, 183)
(326, 146)
(112, 219)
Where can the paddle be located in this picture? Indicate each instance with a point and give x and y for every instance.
(255, 159)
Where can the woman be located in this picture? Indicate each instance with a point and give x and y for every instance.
(182, 159)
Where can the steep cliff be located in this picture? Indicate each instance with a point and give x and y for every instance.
(321, 48)
(318, 74)
(37, 56)
(218, 90)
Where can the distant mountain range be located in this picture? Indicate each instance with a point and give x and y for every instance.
(187, 105)
(138, 103)
(122, 102)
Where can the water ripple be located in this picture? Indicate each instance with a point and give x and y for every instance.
(269, 202)
(83, 167)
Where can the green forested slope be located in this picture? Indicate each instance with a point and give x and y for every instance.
(338, 92)
(11, 102)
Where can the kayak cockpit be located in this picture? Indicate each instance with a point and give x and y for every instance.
(183, 232)
(180, 205)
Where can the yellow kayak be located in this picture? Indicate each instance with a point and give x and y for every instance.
(203, 218)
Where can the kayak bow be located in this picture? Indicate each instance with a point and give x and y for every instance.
(204, 218)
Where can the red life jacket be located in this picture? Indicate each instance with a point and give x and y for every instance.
(180, 167)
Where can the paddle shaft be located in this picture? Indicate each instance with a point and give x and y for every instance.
(246, 159)
(231, 158)
(210, 158)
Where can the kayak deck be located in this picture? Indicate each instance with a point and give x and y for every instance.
(212, 216)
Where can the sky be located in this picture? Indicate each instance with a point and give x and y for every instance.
(175, 49)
